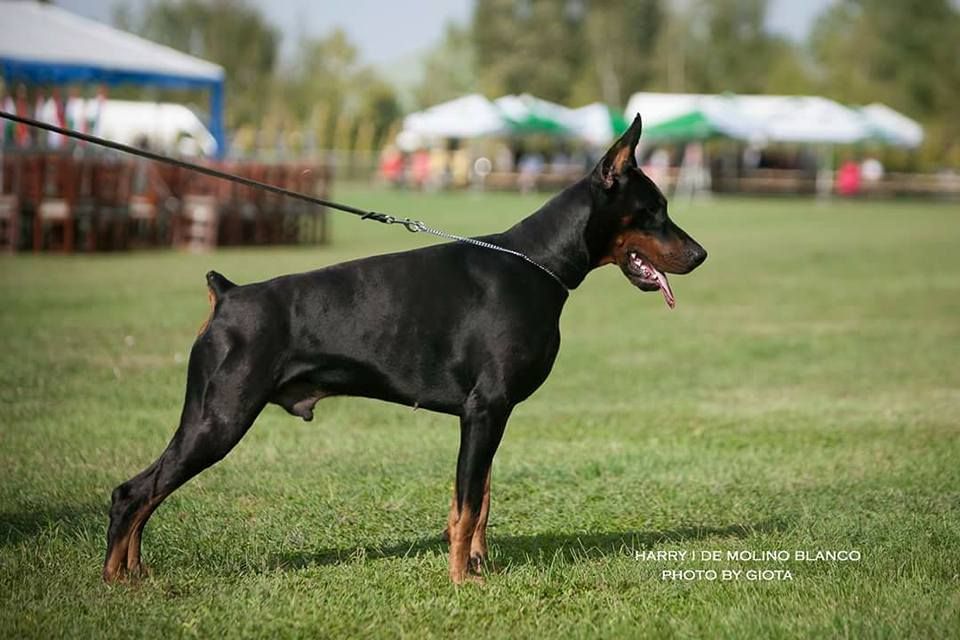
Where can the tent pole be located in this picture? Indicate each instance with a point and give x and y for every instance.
(217, 118)
(824, 182)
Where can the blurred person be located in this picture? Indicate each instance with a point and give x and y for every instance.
(693, 179)
(420, 168)
(140, 179)
(460, 167)
(872, 170)
(530, 167)
(39, 102)
(391, 166)
(439, 175)
(14, 133)
(503, 159)
(752, 157)
(51, 111)
(848, 178)
(38, 113)
(75, 111)
(94, 108)
(658, 167)
(560, 162)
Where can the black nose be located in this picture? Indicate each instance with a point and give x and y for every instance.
(697, 255)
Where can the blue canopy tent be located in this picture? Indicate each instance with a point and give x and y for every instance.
(43, 44)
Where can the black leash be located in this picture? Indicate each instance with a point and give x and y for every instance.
(144, 153)
(411, 225)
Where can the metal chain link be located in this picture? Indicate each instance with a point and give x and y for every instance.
(417, 226)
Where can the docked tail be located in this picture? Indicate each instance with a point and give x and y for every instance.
(217, 285)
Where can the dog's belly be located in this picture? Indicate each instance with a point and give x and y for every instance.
(306, 383)
(422, 333)
(438, 377)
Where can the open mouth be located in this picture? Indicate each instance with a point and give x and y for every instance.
(647, 277)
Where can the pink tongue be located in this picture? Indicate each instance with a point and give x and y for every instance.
(665, 288)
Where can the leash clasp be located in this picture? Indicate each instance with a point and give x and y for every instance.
(379, 217)
(413, 226)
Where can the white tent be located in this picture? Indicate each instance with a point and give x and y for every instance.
(528, 114)
(470, 116)
(44, 44)
(892, 125)
(474, 116)
(760, 119)
(597, 124)
(45, 34)
(688, 116)
(809, 119)
(164, 126)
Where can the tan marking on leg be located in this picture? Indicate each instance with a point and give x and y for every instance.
(133, 552)
(461, 527)
(124, 558)
(114, 567)
(478, 546)
(134, 566)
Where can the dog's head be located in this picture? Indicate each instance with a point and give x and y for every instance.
(629, 225)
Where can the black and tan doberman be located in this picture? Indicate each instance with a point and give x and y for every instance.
(453, 328)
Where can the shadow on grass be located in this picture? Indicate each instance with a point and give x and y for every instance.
(26, 524)
(536, 549)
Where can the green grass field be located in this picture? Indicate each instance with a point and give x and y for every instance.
(803, 396)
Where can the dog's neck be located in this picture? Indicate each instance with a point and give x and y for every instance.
(556, 235)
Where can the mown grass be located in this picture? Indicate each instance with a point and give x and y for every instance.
(804, 395)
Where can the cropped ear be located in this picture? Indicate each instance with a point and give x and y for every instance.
(620, 156)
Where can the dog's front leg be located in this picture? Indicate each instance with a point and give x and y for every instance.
(481, 429)
(478, 546)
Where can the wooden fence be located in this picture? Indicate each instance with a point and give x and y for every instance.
(73, 201)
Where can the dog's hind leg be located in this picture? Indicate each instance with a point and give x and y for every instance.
(481, 429)
(220, 407)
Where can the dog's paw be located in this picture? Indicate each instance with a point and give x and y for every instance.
(139, 572)
(465, 577)
(478, 562)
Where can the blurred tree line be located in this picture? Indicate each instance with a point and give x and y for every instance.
(324, 91)
(904, 54)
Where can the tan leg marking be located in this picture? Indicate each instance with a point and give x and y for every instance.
(460, 527)
(113, 567)
(124, 559)
(134, 567)
(478, 546)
